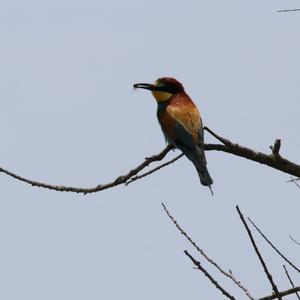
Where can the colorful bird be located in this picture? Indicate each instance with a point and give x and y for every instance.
(180, 122)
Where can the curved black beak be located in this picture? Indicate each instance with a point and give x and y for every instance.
(146, 86)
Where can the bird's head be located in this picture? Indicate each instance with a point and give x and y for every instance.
(163, 88)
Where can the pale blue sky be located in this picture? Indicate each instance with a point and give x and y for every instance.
(69, 116)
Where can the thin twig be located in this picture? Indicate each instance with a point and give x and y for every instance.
(294, 240)
(268, 274)
(229, 275)
(272, 245)
(295, 181)
(289, 10)
(282, 294)
(212, 280)
(154, 169)
(100, 187)
(219, 138)
(290, 280)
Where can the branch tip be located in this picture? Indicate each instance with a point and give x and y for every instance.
(288, 10)
(205, 272)
(208, 259)
(219, 138)
(276, 147)
(272, 245)
(268, 274)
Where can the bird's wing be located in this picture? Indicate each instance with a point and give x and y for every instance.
(187, 122)
(186, 133)
(182, 138)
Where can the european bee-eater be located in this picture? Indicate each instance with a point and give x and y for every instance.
(180, 122)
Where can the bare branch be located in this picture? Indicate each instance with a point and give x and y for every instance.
(271, 160)
(289, 10)
(100, 187)
(290, 280)
(229, 275)
(270, 243)
(154, 169)
(269, 276)
(219, 138)
(274, 161)
(212, 280)
(282, 294)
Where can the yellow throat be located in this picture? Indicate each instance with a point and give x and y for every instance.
(161, 96)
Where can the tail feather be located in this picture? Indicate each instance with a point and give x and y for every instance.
(200, 164)
(204, 176)
(197, 156)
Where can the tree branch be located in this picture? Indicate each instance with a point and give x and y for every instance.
(268, 274)
(132, 179)
(100, 187)
(271, 244)
(282, 294)
(289, 10)
(290, 280)
(273, 160)
(212, 280)
(276, 295)
(211, 261)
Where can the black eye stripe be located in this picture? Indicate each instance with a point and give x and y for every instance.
(167, 88)
(163, 86)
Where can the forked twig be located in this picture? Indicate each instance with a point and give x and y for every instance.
(270, 243)
(294, 180)
(219, 138)
(228, 275)
(290, 280)
(212, 280)
(100, 187)
(281, 294)
(268, 274)
(154, 169)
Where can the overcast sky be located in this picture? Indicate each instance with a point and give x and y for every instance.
(69, 116)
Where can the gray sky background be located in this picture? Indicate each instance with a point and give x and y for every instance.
(69, 116)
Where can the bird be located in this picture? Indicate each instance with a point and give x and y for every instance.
(180, 122)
